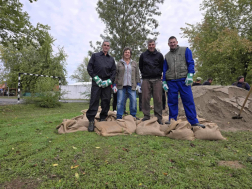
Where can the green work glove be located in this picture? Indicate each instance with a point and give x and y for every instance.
(165, 86)
(106, 83)
(189, 79)
(98, 81)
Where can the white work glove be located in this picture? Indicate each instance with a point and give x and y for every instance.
(98, 81)
(165, 86)
(114, 88)
(189, 79)
(138, 88)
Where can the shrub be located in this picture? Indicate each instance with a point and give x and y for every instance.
(45, 94)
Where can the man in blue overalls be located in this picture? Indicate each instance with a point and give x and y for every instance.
(178, 70)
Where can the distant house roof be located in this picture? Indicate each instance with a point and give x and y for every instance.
(82, 83)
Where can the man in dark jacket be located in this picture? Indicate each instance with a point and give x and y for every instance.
(198, 82)
(208, 82)
(240, 83)
(102, 69)
(151, 65)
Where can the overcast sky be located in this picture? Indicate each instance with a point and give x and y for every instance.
(74, 23)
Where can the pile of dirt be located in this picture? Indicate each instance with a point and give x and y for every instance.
(219, 104)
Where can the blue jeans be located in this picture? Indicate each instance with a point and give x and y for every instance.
(121, 95)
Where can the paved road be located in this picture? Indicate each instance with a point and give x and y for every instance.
(6, 101)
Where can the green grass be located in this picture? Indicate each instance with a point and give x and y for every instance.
(6, 97)
(30, 146)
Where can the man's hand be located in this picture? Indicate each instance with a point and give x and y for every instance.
(138, 88)
(165, 86)
(114, 88)
(189, 79)
(98, 81)
(106, 83)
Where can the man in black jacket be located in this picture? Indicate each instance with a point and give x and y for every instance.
(209, 81)
(151, 67)
(198, 82)
(101, 67)
(240, 83)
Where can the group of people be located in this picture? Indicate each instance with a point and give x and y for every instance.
(239, 83)
(172, 73)
(199, 79)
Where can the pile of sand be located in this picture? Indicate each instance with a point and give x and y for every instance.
(220, 103)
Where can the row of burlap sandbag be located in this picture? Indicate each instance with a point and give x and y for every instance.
(175, 130)
(182, 129)
(80, 123)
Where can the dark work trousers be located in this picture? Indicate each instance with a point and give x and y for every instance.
(97, 93)
(140, 101)
(114, 101)
(152, 87)
(163, 99)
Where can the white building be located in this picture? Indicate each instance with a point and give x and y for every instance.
(79, 90)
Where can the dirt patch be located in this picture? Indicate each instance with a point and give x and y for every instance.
(19, 183)
(232, 164)
(219, 104)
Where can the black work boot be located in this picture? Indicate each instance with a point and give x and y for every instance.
(144, 119)
(197, 124)
(91, 126)
(137, 118)
(168, 122)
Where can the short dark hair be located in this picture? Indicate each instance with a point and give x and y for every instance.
(172, 37)
(210, 79)
(127, 48)
(240, 77)
(151, 41)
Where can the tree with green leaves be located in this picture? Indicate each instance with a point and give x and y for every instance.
(129, 23)
(29, 59)
(15, 27)
(81, 74)
(222, 42)
(25, 48)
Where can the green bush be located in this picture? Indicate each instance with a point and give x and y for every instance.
(45, 94)
(47, 99)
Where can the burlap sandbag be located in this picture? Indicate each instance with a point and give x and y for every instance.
(211, 132)
(70, 126)
(173, 124)
(201, 120)
(166, 128)
(165, 118)
(138, 121)
(111, 116)
(149, 127)
(111, 128)
(84, 114)
(130, 123)
(182, 131)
